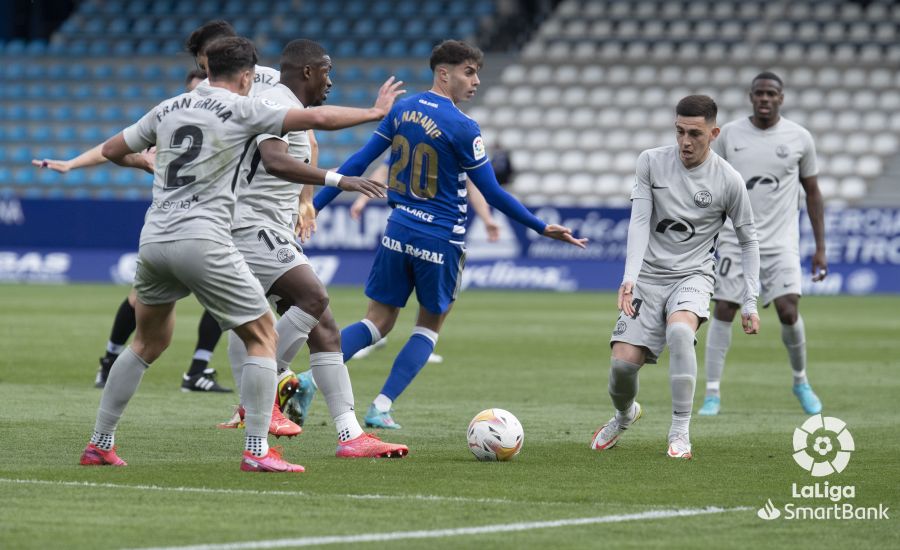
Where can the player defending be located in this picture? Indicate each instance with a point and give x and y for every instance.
(186, 243)
(775, 156)
(263, 232)
(434, 146)
(680, 199)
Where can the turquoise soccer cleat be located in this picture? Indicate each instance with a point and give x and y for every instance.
(378, 419)
(808, 399)
(711, 406)
(298, 404)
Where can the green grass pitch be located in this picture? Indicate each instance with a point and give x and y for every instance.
(543, 356)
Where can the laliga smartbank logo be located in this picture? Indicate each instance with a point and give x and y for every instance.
(822, 447)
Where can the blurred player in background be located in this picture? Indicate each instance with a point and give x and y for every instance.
(681, 197)
(776, 157)
(434, 147)
(263, 232)
(186, 245)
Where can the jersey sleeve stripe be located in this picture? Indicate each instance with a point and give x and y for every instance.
(377, 133)
(475, 166)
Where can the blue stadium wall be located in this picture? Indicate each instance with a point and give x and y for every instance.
(96, 241)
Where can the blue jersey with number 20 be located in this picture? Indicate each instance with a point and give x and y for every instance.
(432, 144)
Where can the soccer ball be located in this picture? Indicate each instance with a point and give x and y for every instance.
(495, 434)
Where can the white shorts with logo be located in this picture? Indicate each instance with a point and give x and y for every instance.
(215, 273)
(654, 304)
(779, 275)
(270, 252)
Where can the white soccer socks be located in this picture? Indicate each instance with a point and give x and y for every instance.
(718, 340)
(257, 395)
(623, 388)
(293, 330)
(124, 378)
(794, 338)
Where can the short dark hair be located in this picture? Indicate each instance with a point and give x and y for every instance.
(455, 52)
(300, 53)
(230, 55)
(767, 75)
(698, 105)
(199, 74)
(198, 40)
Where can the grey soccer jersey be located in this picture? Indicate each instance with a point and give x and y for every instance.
(200, 137)
(771, 162)
(264, 199)
(689, 208)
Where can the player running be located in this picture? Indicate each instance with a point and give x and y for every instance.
(681, 197)
(434, 146)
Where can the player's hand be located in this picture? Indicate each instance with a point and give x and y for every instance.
(563, 234)
(493, 231)
(358, 206)
(61, 166)
(819, 266)
(387, 94)
(149, 158)
(750, 323)
(367, 187)
(626, 294)
(306, 221)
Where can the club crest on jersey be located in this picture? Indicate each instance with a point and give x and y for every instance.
(703, 199)
(478, 148)
(782, 151)
(286, 255)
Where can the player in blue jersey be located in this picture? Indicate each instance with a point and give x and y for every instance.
(434, 147)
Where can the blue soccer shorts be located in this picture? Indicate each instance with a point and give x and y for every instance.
(409, 259)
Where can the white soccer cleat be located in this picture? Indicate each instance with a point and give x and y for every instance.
(680, 447)
(608, 435)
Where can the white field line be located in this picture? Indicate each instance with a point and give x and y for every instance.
(212, 490)
(457, 532)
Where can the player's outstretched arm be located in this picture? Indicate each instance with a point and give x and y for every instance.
(117, 151)
(91, 157)
(279, 163)
(815, 209)
(746, 235)
(332, 117)
(354, 166)
(484, 179)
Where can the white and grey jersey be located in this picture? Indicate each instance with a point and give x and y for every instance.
(200, 137)
(771, 162)
(265, 78)
(264, 199)
(689, 208)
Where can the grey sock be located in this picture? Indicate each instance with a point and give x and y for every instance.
(124, 378)
(258, 394)
(794, 338)
(237, 356)
(623, 387)
(718, 340)
(293, 330)
(682, 374)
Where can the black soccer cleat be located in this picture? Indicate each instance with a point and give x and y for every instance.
(203, 382)
(103, 372)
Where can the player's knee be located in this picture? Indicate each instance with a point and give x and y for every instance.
(788, 316)
(149, 350)
(679, 336)
(725, 311)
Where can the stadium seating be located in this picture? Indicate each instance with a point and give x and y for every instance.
(600, 78)
(112, 60)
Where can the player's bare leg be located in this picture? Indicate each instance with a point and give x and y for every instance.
(625, 363)
(793, 334)
(154, 333)
(407, 365)
(718, 341)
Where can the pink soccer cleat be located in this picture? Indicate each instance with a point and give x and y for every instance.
(95, 456)
(369, 446)
(281, 425)
(236, 420)
(272, 462)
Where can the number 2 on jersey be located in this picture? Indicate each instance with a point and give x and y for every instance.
(194, 137)
(424, 159)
